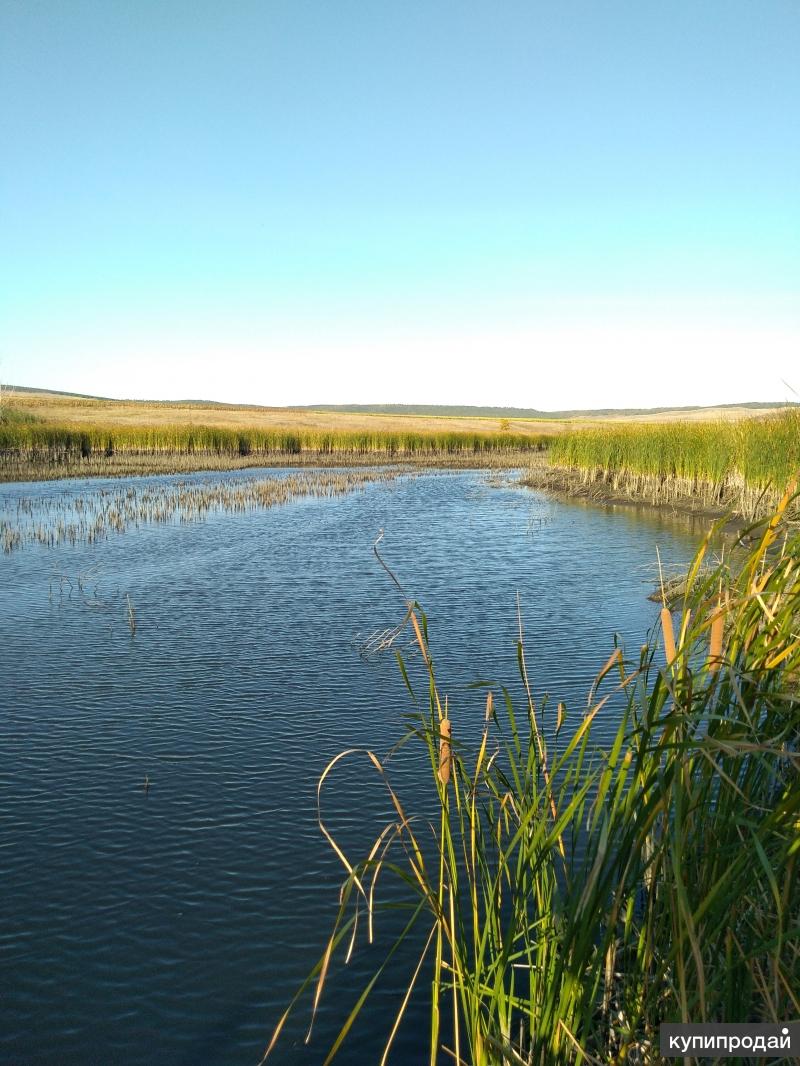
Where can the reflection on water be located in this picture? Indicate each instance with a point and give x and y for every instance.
(165, 883)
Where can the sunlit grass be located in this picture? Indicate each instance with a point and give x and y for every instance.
(11, 415)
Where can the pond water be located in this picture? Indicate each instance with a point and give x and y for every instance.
(165, 884)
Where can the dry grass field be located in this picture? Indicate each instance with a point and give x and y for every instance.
(69, 410)
(74, 410)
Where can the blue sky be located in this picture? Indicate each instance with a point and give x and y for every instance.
(540, 204)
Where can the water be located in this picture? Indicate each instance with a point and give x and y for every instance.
(170, 924)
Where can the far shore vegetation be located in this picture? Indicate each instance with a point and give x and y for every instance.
(734, 460)
(42, 436)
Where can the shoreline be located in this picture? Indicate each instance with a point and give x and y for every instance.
(577, 486)
(741, 507)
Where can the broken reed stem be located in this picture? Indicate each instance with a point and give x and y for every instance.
(661, 578)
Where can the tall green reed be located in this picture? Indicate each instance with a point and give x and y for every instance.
(571, 897)
(744, 464)
(35, 440)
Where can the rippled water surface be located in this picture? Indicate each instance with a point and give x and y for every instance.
(170, 924)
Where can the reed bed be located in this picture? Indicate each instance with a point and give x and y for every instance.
(741, 466)
(568, 898)
(86, 517)
(67, 444)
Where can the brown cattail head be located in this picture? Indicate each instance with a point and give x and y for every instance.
(669, 636)
(444, 750)
(489, 706)
(715, 642)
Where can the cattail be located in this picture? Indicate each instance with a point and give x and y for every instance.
(669, 636)
(444, 751)
(715, 643)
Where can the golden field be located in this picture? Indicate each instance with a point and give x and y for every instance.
(69, 410)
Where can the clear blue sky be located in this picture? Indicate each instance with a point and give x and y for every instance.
(545, 204)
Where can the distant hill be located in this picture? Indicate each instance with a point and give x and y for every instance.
(53, 392)
(444, 410)
(423, 410)
(110, 399)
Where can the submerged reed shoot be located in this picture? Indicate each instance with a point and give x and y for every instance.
(131, 615)
(90, 515)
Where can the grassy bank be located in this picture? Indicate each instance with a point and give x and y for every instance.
(741, 466)
(568, 898)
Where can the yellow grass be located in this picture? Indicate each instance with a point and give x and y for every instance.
(67, 410)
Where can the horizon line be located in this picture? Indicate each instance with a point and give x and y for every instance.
(444, 409)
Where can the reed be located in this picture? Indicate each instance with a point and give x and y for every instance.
(572, 897)
(12, 415)
(71, 446)
(738, 465)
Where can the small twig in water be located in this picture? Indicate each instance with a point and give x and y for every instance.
(131, 616)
